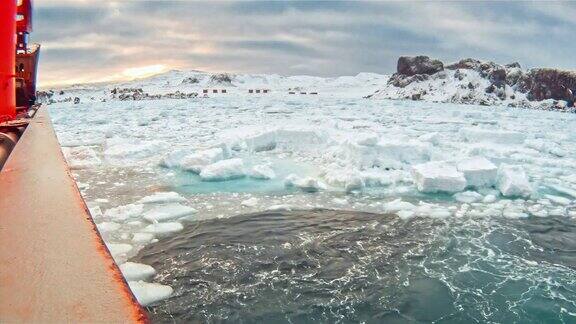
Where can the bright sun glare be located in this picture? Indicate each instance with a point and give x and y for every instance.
(144, 71)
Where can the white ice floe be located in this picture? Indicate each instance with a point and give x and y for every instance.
(119, 249)
(307, 184)
(163, 197)
(513, 182)
(163, 228)
(168, 212)
(468, 197)
(494, 136)
(478, 171)
(250, 202)
(136, 271)
(196, 162)
(81, 157)
(125, 212)
(108, 227)
(223, 170)
(559, 200)
(149, 293)
(142, 238)
(262, 171)
(438, 177)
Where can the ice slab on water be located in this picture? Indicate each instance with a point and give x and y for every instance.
(478, 171)
(142, 237)
(513, 182)
(136, 271)
(492, 136)
(468, 197)
(149, 293)
(263, 172)
(124, 212)
(307, 184)
(196, 162)
(163, 197)
(223, 170)
(119, 249)
(163, 228)
(81, 157)
(169, 212)
(108, 227)
(438, 177)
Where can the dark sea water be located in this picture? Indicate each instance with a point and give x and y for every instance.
(325, 266)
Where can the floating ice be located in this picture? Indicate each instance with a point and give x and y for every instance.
(108, 227)
(196, 162)
(478, 171)
(492, 136)
(512, 181)
(164, 213)
(263, 172)
(163, 197)
(308, 184)
(119, 249)
(120, 151)
(149, 293)
(142, 237)
(438, 177)
(223, 170)
(163, 228)
(136, 271)
(124, 212)
(468, 197)
(250, 202)
(81, 157)
(559, 200)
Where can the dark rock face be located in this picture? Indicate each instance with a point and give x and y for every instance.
(541, 84)
(409, 66)
(468, 63)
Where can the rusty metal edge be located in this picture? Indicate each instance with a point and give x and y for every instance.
(14, 307)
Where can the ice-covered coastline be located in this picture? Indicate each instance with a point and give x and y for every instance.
(146, 167)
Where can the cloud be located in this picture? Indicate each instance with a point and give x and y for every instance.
(97, 38)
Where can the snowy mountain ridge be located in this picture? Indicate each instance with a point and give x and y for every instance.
(468, 81)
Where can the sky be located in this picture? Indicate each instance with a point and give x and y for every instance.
(100, 40)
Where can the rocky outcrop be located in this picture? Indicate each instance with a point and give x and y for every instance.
(542, 84)
(472, 81)
(409, 66)
(414, 69)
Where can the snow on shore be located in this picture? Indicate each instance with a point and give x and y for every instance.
(148, 167)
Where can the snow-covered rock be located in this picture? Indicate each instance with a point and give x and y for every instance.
(478, 171)
(223, 170)
(438, 177)
(513, 182)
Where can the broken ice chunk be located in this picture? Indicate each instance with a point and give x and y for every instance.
(162, 197)
(263, 172)
(307, 184)
(478, 171)
(513, 182)
(468, 197)
(197, 161)
(149, 293)
(168, 212)
(438, 177)
(492, 136)
(136, 271)
(223, 170)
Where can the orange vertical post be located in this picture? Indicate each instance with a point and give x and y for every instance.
(7, 60)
